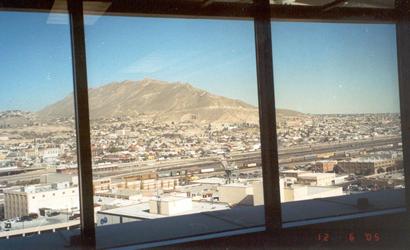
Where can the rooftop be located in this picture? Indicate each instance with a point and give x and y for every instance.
(38, 188)
(313, 190)
(141, 210)
(368, 159)
(237, 185)
(292, 171)
(109, 201)
(316, 175)
(212, 180)
(169, 198)
(294, 214)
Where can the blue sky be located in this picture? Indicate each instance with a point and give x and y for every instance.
(319, 68)
(35, 61)
(335, 68)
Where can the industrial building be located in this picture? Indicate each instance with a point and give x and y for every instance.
(325, 166)
(156, 207)
(170, 205)
(312, 179)
(308, 186)
(21, 201)
(366, 166)
(317, 179)
(298, 192)
(236, 193)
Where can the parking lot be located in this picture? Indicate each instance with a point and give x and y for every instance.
(35, 223)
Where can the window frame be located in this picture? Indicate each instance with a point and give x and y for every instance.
(262, 13)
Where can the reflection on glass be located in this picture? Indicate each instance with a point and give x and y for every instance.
(174, 121)
(389, 4)
(36, 142)
(339, 132)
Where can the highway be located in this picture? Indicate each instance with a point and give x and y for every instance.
(249, 157)
(27, 176)
(239, 158)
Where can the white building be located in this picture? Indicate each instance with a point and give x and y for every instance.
(140, 211)
(257, 193)
(170, 205)
(57, 178)
(236, 193)
(317, 179)
(50, 155)
(301, 192)
(20, 201)
(313, 187)
(51, 152)
(4, 138)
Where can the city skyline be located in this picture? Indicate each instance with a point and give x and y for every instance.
(126, 48)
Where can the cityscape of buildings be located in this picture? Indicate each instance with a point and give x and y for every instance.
(177, 155)
(146, 170)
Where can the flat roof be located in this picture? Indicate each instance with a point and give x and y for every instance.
(312, 190)
(316, 175)
(169, 198)
(293, 171)
(141, 210)
(237, 185)
(212, 180)
(102, 200)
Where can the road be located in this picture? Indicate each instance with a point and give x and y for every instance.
(209, 162)
(286, 153)
(248, 157)
(26, 176)
(38, 225)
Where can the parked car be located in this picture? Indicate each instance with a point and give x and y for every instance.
(54, 213)
(7, 226)
(26, 218)
(11, 220)
(74, 217)
(33, 215)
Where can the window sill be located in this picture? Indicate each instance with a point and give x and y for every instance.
(340, 207)
(244, 220)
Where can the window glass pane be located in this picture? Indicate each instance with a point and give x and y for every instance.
(174, 127)
(338, 123)
(38, 160)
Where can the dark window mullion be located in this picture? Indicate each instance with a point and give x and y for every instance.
(403, 58)
(75, 8)
(267, 115)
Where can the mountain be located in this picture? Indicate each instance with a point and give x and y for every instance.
(158, 101)
(281, 113)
